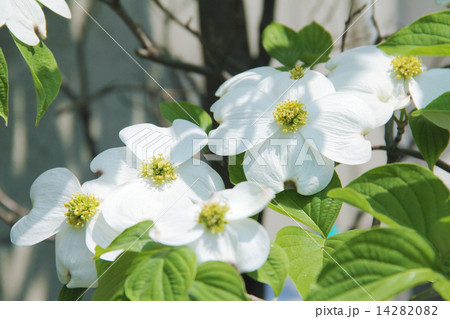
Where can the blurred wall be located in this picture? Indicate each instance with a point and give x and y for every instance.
(29, 273)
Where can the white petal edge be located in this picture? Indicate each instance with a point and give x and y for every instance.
(48, 194)
(98, 232)
(336, 127)
(245, 199)
(428, 86)
(179, 143)
(58, 6)
(287, 157)
(253, 245)
(248, 78)
(26, 17)
(177, 226)
(74, 262)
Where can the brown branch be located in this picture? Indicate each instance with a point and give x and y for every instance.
(379, 38)
(12, 205)
(401, 151)
(149, 50)
(351, 15)
(8, 217)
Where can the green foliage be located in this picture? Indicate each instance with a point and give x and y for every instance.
(399, 195)
(317, 211)
(216, 281)
(308, 252)
(235, 169)
(165, 275)
(440, 235)
(186, 111)
(131, 239)
(438, 111)
(430, 35)
(312, 44)
(377, 265)
(4, 88)
(71, 294)
(430, 139)
(44, 70)
(315, 43)
(274, 271)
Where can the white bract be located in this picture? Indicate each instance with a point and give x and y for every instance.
(386, 81)
(25, 18)
(63, 207)
(220, 228)
(291, 129)
(155, 172)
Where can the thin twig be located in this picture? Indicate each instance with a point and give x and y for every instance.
(379, 38)
(351, 15)
(401, 151)
(12, 205)
(149, 50)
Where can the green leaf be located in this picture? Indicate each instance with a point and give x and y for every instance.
(430, 35)
(111, 277)
(438, 111)
(315, 43)
(235, 169)
(44, 70)
(217, 281)
(377, 265)
(131, 239)
(430, 139)
(71, 294)
(440, 236)
(274, 271)
(317, 211)
(399, 194)
(165, 275)
(187, 111)
(281, 43)
(308, 252)
(4, 88)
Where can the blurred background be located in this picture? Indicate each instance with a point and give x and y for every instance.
(192, 46)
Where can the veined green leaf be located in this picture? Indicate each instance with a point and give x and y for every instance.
(217, 281)
(4, 88)
(281, 43)
(429, 35)
(71, 294)
(308, 252)
(235, 169)
(274, 271)
(44, 70)
(430, 139)
(316, 44)
(438, 111)
(165, 275)
(378, 265)
(317, 211)
(187, 111)
(399, 194)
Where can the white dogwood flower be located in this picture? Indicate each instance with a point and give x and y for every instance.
(220, 228)
(63, 207)
(387, 81)
(275, 117)
(25, 18)
(155, 171)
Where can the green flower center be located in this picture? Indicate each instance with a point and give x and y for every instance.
(159, 169)
(212, 217)
(407, 67)
(291, 115)
(81, 208)
(297, 72)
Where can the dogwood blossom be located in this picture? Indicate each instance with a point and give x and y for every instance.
(26, 20)
(387, 81)
(63, 207)
(275, 117)
(219, 228)
(155, 172)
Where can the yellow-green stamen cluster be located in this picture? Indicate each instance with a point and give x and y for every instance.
(291, 115)
(81, 208)
(213, 217)
(407, 67)
(159, 169)
(297, 72)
